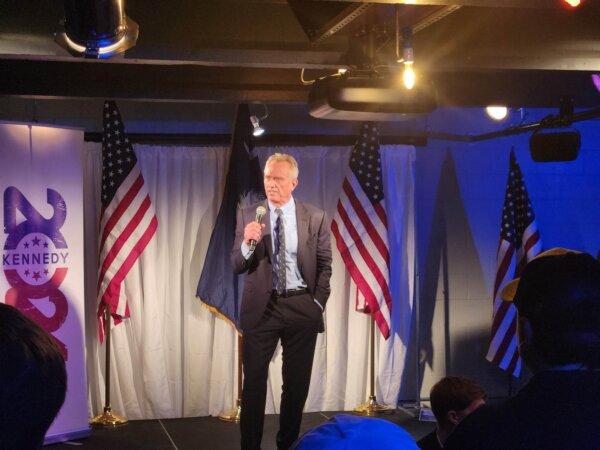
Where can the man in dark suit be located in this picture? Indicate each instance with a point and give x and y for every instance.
(287, 258)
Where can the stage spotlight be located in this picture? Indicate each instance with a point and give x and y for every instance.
(556, 140)
(555, 145)
(96, 29)
(258, 130)
(573, 3)
(496, 112)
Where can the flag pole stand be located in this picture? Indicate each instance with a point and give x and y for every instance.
(107, 418)
(233, 415)
(371, 407)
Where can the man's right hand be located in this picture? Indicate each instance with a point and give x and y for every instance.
(253, 231)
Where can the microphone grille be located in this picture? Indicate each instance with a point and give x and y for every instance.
(261, 211)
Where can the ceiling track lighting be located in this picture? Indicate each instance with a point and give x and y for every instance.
(257, 129)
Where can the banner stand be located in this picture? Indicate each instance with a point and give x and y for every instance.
(42, 246)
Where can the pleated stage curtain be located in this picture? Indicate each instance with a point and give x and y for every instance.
(173, 358)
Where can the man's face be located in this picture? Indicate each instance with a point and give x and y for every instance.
(279, 183)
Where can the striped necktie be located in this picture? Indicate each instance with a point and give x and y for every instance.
(280, 251)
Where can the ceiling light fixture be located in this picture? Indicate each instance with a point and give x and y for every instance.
(258, 130)
(496, 112)
(408, 56)
(573, 3)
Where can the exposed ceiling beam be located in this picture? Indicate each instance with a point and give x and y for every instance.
(159, 81)
(329, 27)
(535, 4)
(473, 38)
(432, 18)
(267, 140)
(147, 80)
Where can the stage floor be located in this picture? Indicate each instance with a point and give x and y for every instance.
(209, 433)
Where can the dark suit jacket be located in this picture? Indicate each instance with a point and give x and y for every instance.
(429, 442)
(314, 259)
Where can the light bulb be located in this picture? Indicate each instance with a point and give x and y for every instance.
(496, 112)
(408, 77)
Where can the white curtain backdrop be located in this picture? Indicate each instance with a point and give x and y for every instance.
(173, 358)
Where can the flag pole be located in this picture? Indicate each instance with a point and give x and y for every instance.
(233, 415)
(371, 407)
(107, 418)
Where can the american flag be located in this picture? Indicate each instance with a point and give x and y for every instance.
(519, 243)
(127, 218)
(360, 229)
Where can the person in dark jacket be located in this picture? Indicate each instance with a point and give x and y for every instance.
(558, 304)
(452, 399)
(33, 381)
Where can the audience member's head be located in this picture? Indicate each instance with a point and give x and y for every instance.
(361, 433)
(32, 380)
(452, 399)
(558, 301)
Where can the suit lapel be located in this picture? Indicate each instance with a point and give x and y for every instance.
(302, 225)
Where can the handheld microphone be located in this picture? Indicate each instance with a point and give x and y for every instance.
(260, 212)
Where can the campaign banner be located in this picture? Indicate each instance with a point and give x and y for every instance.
(41, 188)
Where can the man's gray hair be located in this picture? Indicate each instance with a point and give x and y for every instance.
(277, 157)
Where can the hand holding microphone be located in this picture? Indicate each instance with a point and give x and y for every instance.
(253, 231)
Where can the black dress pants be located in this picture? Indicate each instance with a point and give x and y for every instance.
(296, 320)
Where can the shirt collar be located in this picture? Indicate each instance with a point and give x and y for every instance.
(288, 208)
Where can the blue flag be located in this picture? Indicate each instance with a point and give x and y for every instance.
(219, 287)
